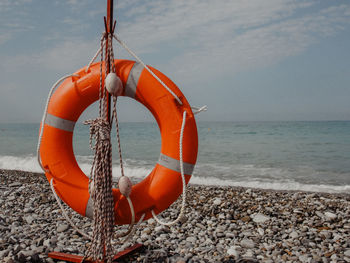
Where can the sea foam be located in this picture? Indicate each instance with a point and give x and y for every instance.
(142, 169)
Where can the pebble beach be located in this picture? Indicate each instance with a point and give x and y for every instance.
(223, 224)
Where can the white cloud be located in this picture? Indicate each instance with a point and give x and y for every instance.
(194, 40)
(237, 35)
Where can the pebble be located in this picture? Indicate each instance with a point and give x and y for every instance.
(217, 201)
(232, 251)
(293, 235)
(191, 239)
(347, 253)
(62, 228)
(29, 219)
(319, 214)
(222, 224)
(260, 218)
(260, 231)
(330, 216)
(247, 243)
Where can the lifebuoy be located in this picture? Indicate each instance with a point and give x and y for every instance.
(163, 185)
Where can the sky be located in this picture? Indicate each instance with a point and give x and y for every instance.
(251, 60)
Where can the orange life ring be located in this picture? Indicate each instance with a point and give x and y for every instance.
(163, 185)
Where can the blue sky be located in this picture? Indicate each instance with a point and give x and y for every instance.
(247, 60)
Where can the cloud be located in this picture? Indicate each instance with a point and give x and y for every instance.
(13, 19)
(195, 42)
(237, 35)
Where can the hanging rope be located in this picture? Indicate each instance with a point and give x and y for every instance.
(43, 120)
(100, 184)
(101, 192)
(147, 68)
(183, 203)
(65, 213)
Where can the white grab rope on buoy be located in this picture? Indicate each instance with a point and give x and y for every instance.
(42, 125)
(147, 68)
(133, 230)
(96, 55)
(183, 204)
(65, 213)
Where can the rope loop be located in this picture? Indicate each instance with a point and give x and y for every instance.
(43, 120)
(183, 204)
(147, 68)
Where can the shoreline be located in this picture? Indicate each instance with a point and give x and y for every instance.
(225, 224)
(342, 194)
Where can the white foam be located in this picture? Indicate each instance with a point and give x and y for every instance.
(273, 185)
(139, 170)
(23, 163)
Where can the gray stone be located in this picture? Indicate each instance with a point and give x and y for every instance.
(4, 253)
(330, 215)
(303, 258)
(293, 235)
(46, 243)
(336, 237)
(217, 201)
(319, 214)
(191, 239)
(151, 221)
(260, 218)
(147, 230)
(28, 210)
(230, 235)
(247, 243)
(62, 228)
(158, 229)
(29, 219)
(347, 253)
(232, 251)
(27, 253)
(260, 231)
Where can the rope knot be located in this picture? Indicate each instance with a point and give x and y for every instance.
(100, 129)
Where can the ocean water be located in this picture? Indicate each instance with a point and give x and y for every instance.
(309, 156)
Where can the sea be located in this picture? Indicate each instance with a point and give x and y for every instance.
(284, 155)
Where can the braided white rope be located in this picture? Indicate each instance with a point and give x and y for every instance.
(132, 224)
(93, 59)
(102, 40)
(44, 117)
(147, 68)
(183, 204)
(134, 229)
(65, 213)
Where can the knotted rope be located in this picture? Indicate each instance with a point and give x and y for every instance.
(100, 183)
(100, 188)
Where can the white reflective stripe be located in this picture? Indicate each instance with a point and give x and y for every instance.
(59, 123)
(174, 164)
(89, 211)
(133, 79)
